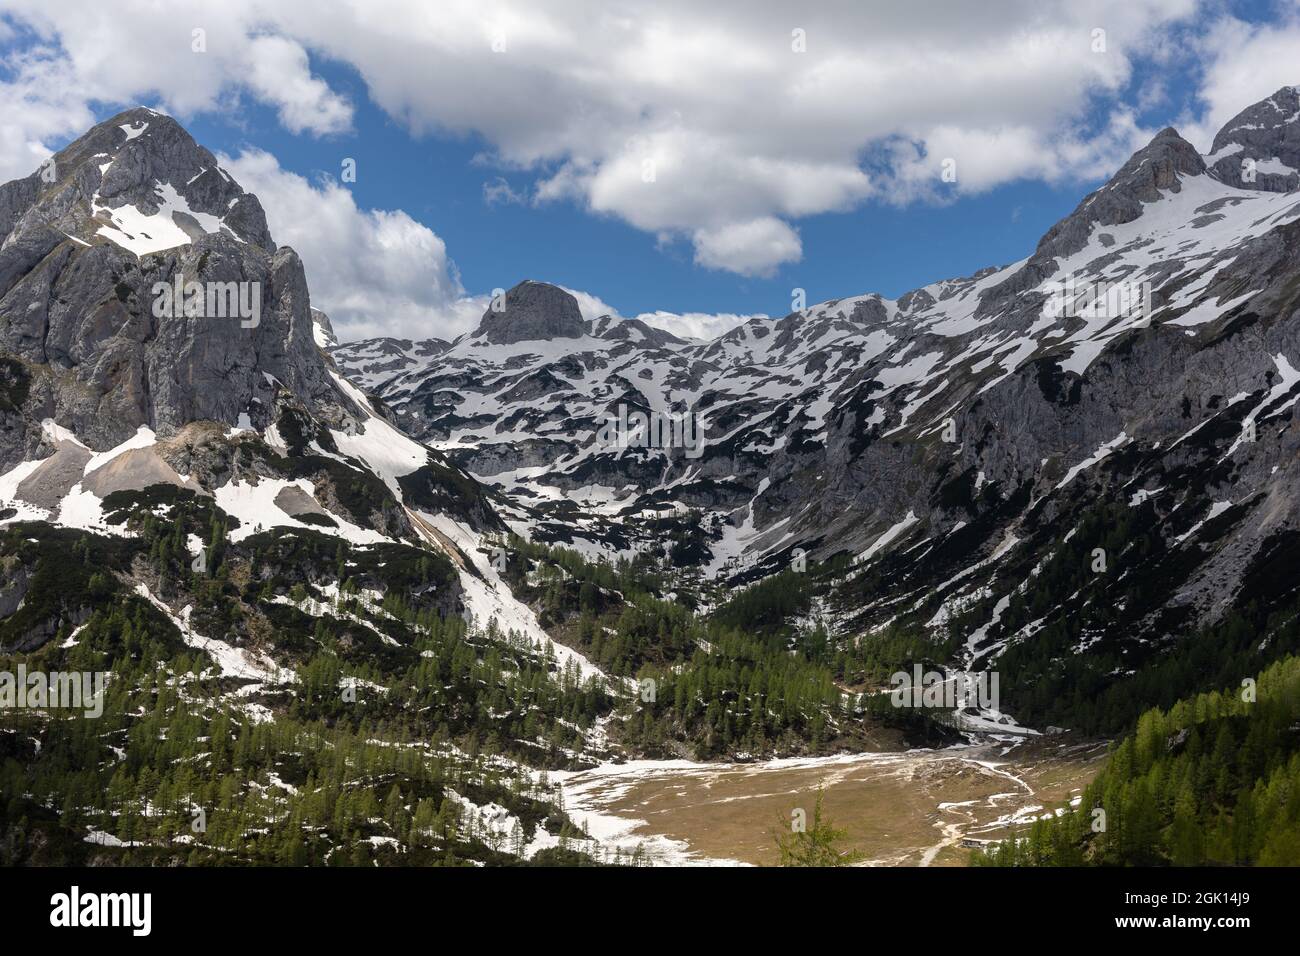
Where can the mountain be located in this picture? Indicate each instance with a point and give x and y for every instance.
(379, 602)
(373, 361)
(198, 507)
(531, 311)
(968, 448)
(134, 319)
(1259, 148)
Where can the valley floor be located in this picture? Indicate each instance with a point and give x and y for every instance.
(898, 809)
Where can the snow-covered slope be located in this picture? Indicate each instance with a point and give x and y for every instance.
(963, 422)
(116, 412)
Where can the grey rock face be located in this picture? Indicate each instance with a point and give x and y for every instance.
(325, 331)
(533, 310)
(634, 331)
(46, 486)
(141, 289)
(1259, 148)
(104, 364)
(81, 310)
(1152, 170)
(139, 286)
(162, 152)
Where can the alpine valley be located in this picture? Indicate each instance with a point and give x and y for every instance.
(571, 589)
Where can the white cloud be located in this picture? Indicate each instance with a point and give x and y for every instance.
(591, 306)
(131, 52)
(37, 105)
(499, 192)
(379, 272)
(696, 325)
(754, 247)
(279, 74)
(689, 325)
(980, 159)
(699, 123)
(1243, 64)
(374, 272)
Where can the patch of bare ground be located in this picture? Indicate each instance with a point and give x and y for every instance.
(898, 809)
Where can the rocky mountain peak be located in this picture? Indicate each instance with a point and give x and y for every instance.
(141, 288)
(633, 331)
(531, 311)
(1153, 170)
(1259, 148)
(138, 180)
(324, 331)
(1156, 167)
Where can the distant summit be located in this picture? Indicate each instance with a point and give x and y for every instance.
(532, 310)
(1259, 148)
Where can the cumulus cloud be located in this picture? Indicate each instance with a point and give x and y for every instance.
(190, 58)
(379, 272)
(754, 247)
(720, 126)
(687, 325)
(374, 272)
(1244, 63)
(279, 74)
(704, 326)
(38, 104)
(952, 161)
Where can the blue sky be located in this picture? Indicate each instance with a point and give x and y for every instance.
(779, 168)
(439, 180)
